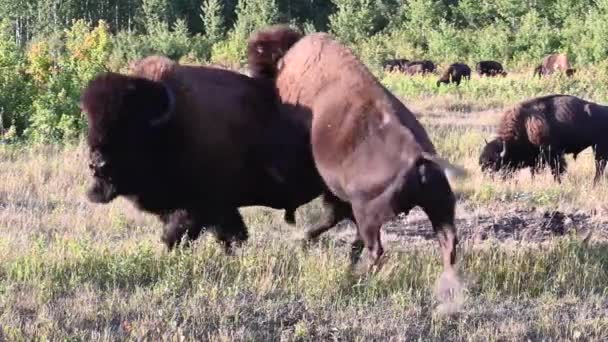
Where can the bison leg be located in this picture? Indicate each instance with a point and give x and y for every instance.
(356, 249)
(556, 162)
(334, 211)
(177, 224)
(601, 157)
(369, 217)
(438, 202)
(230, 230)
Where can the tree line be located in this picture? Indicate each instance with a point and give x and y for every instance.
(50, 48)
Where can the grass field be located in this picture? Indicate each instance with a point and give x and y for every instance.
(534, 254)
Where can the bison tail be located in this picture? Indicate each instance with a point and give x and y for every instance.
(266, 47)
(451, 171)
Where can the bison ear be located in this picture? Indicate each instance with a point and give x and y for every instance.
(168, 109)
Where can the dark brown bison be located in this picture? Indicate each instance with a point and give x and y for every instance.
(395, 64)
(455, 73)
(193, 144)
(552, 63)
(540, 131)
(420, 67)
(372, 153)
(490, 69)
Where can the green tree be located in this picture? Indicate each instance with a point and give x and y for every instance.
(213, 20)
(55, 113)
(354, 20)
(155, 11)
(251, 15)
(15, 91)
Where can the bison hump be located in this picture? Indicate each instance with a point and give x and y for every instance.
(154, 68)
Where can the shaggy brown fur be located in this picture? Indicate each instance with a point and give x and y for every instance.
(370, 150)
(542, 130)
(555, 62)
(192, 144)
(272, 44)
(455, 73)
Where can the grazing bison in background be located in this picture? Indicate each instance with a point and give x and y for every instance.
(395, 64)
(420, 67)
(191, 145)
(540, 131)
(455, 73)
(374, 156)
(490, 69)
(552, 63)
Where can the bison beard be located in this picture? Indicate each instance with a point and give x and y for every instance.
(540, 131)
(191, 145)
(372, 153)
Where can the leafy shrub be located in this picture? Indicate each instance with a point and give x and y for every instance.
(15, 90)
(55, 113)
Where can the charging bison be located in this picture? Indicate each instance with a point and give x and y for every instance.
(490, 69)
(372, 153)
(540, 131)
(191, 145)
(455, 73)
(552, 63)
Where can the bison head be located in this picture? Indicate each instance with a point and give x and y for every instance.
(126, 116)
(493, 156)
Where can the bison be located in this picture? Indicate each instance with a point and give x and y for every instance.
(419, 67)
(395, 64)
(191, 145)
(552, 63)
(455, 73)
(540, 131)
(490, 69)
(375, 158)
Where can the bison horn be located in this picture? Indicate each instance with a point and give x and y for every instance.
(168, 113)
(485, 140)
(504, 149)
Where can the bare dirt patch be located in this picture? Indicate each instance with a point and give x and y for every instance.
(525, 225)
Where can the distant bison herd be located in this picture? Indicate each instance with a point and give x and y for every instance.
(456, 72)
(192, 144)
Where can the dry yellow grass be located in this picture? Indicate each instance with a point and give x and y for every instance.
(71, 270)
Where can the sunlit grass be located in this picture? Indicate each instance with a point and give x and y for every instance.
(71, 270)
